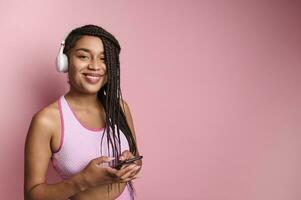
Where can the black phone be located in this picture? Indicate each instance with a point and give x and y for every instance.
(128, 161)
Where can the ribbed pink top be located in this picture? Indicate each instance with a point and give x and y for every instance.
(80, 144)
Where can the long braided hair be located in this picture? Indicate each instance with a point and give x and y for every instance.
(110, 94)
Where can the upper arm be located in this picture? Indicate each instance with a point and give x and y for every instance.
(37, 151)
(126, 109)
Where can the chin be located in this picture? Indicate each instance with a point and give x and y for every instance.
(93, 91)
(90, 89)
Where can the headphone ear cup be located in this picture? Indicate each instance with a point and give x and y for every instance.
(62, 60)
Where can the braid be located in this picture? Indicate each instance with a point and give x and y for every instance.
(110, 94)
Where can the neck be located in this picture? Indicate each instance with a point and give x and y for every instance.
(83, 100)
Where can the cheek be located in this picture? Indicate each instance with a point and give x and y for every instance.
(74, 73)
(76, 66)
(105, 80)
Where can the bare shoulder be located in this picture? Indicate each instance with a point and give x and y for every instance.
(127, 112)
(46, 120)
(123, 104)
(129, 118)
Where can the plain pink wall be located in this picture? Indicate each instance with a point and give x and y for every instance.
(213, 86)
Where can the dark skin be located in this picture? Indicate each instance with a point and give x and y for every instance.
(43, 136)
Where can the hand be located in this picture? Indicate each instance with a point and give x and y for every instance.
(97, 172)
(137, 164)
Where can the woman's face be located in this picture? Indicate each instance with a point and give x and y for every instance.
(87, 69)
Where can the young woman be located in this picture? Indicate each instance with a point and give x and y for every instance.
(86, 131)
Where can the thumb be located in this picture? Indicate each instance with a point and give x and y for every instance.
(102, 159)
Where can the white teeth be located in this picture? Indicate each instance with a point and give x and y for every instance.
(93, 77)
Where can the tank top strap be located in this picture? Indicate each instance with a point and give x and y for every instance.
(68, 117)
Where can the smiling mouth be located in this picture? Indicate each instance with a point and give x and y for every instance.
(91, 75)
(92, 78)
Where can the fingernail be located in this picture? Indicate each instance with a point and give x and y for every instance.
(121, 158)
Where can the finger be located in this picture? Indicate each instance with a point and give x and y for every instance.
(138, 162)
(130, 173)
(133, 177)
(135, 163)
(126, 165)
(102, 159)
(111, 173)
(136, 176)
(136, 171)
(126, 155)
(125, 170)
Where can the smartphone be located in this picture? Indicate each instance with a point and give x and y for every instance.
(128, 161)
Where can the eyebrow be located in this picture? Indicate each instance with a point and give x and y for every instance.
(86, 50)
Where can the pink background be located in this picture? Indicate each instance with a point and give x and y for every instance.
(213, 86)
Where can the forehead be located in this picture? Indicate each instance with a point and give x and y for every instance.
(92, 43)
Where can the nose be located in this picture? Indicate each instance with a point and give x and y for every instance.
(93, 65)
(96, 65)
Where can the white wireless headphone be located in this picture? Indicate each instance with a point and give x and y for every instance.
(62, 60)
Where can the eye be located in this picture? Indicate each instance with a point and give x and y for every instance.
(103, 58)
(83, 57)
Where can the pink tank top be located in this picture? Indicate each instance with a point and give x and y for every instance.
(80, 144)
